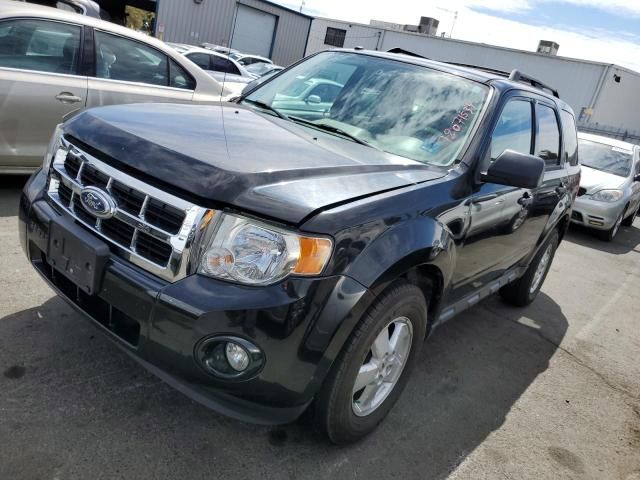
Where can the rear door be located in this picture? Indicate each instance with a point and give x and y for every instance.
(40, 83)
(128, 71)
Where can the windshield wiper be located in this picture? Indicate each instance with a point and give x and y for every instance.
(266, 106)
(331, 129)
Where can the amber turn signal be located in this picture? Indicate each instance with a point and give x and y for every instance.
(314, 255)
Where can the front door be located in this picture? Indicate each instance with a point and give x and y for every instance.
(39, 85)
(128, 71)
(486, 246)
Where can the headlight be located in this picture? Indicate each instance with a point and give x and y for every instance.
(253, 253)
(607, 195)
(54, 145)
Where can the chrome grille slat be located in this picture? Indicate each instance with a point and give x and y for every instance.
(163, 253)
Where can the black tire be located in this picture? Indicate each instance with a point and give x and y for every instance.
(521, 292)
(609, 235)
(628, 222)
(333, 410)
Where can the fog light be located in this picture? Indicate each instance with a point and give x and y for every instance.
(237, 357)
(229, 357)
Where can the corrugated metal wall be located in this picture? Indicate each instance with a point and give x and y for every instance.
(619, 103)
(212, 21)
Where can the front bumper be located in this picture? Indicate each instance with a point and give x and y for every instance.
(594, 214)
(299, 324)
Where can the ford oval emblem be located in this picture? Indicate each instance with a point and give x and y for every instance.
(98, 202)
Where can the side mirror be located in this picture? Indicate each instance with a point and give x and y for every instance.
(515, 170)
(314, 99)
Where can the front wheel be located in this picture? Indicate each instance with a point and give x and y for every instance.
(525, 290)
(628, 222)
(374, 366)
(609, 235)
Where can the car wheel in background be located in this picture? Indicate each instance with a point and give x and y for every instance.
(609, 235)
(374, 366)
(525, 290)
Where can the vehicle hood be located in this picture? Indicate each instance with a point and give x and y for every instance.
(595, 180)
(227, 154)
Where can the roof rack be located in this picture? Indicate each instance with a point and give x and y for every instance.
(515, 76)
(518, 76)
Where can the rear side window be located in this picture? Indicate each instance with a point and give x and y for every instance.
(548, 140)
(40, 45)
(200, 59)
(118, 58)
(570, 136)
(223, 65)
(514, 130)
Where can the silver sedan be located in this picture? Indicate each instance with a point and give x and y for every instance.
(50, 69)
(609, 194)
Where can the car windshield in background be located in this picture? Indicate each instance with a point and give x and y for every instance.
(407, 110)
(605, 158)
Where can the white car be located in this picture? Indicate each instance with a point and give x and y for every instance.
(609, 194)
(246, 60)
(54, 63)
(224, 69)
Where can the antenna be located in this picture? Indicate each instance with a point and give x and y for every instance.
(302, 5)
(455, 17)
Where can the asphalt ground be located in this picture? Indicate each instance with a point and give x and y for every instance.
(549, 391)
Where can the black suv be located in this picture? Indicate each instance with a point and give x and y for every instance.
(292, 250)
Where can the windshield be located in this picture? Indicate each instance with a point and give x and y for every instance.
(403, 109)
(605, 158)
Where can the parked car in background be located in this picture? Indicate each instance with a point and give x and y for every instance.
(609, 193)
(218, 48)
(55, 63)
(220, 66)
(83, 7)
(246, 60)
(259, 70)
(266, 264)
(310, 99)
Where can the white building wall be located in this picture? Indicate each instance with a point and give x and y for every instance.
(618, 104)
(584, 85)
(358, 35)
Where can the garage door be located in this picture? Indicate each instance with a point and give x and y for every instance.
(254, 31)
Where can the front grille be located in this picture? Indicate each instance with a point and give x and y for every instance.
(150, 228)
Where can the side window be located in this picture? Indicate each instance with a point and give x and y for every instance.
(514, 130)
(119, 58)
(40, 45)
(179, 77)
(570, 136)
(223, 65)
(200, 59)
(548, 139)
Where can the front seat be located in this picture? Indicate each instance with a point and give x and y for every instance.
(69, 54)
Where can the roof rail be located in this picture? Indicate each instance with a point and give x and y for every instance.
(518, 76)
(515, 75)
(402, 51)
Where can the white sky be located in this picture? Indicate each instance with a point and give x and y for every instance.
(597, 45)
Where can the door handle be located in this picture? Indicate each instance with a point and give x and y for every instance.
(68, 97)
(484, 198)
